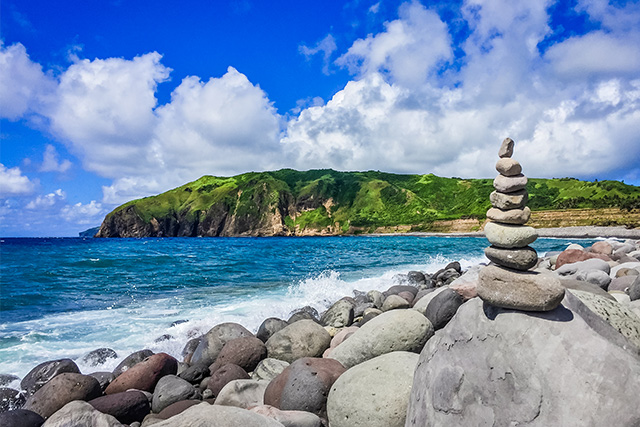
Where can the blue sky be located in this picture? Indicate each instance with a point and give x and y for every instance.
(103, 102)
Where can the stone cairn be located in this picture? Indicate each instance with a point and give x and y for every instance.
(507, 282)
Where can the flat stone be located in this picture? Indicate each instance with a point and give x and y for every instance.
(519, 290)
(506, 148)
(586, 265)
(515, 200)
(511, 216)
(597, 277)
(509, 236)
(510, 184)
(517, 259)
(508, 167)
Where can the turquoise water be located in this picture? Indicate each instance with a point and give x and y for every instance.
(66, 297)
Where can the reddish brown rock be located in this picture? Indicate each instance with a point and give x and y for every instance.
(127, 407)
(144, 375)
(225, 375)
(245, 352)
(176, 408)
(304, 385)
(570, 256)
(62, 389)
(603, 248)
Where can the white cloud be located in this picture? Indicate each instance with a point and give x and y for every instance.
(24, 87)
(13, 183)
(326, 46)
(51, 163)
(47, 201)
(83, 214)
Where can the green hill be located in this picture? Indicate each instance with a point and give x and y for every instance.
(326, 202)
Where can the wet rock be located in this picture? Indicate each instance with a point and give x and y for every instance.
(268, 369)
(304, 338)
(213, 341)
(44, 372)
(509, 236)
(10, 399)
(304, 313)
(144, 375)
(99, 356)
(242, 393)
(519, 290)
(127, 407)
(269, 327)
(131, 360)
(20, 418)
(396, 289)
(339, 315)
(171, 389)
(62, 389)
(518, 259)
(245, 352)
(304, 385)
(6, 379)
(225, 375)
(104, 378)
(396, 330)
(416, 278)
(374, 393)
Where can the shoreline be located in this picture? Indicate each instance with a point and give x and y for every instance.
(580, 232)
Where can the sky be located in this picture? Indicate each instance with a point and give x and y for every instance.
(102, 102)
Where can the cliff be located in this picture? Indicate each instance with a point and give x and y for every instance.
(327, 202)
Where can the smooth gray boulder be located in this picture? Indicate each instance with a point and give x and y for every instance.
(509, 236)
(171, 389)
(597, 277)
(502, 367)
(395, 330)
(269, 327)
(268, 369)
(81, 414)
(213, 341)
(242, 393)
(374, 393)
(586, 265)
(339, 315)
(394, 302)
(205, 415)
(304, 338)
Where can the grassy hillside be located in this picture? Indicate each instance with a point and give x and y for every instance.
(353, 202)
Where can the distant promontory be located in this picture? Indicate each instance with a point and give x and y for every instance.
(327, 202)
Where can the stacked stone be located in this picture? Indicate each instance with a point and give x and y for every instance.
(508, 284)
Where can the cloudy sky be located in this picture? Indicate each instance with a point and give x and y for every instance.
(103, 102)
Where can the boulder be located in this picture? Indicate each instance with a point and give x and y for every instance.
(602, 247)
(104, 378)
(304, 385)
(339, 315)
(422, 304)
(394, 302)
(442, 308)
(81, 414)
(597, 277)
(518, 259)
(44, 372)
(475, 372)
(268, 369)
(627, 272)
(20, 418)
(396, 289)
(376, 298)
(269, 327)
(614, 270)
(213, 341)
(509, 236)
(216, 415)
(242, 393)
(304, 313)
(189, 349)
(621, 283)
(515, 200)
(99, 356)
(171, 389)
(416, 278)
(127, 407)
(586, 265)
(131, 360)
(304, 338)
(569, 256)
(224, 376)
(510, 184)
(144, 375)
(396, 330)
(245, 352)
(62, 389)
(511, 216)
(176, 408)
(374, 393)
(195, 373)
(10, 399)
(508, 167)
(521, 290)
(289, 418)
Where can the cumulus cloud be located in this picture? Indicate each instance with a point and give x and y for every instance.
(326, 47)
(24, 87)
(83, 214)
(573, 110)
(51, 162)
(47, 201)
(13, 183)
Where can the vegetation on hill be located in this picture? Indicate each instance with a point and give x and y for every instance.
(289, 202)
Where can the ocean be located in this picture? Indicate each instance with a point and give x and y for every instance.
(63, 297)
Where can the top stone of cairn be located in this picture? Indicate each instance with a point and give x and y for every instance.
(506, 149)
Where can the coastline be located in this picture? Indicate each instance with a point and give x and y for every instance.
(579, 232)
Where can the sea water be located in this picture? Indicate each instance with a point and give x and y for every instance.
(61, 298)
